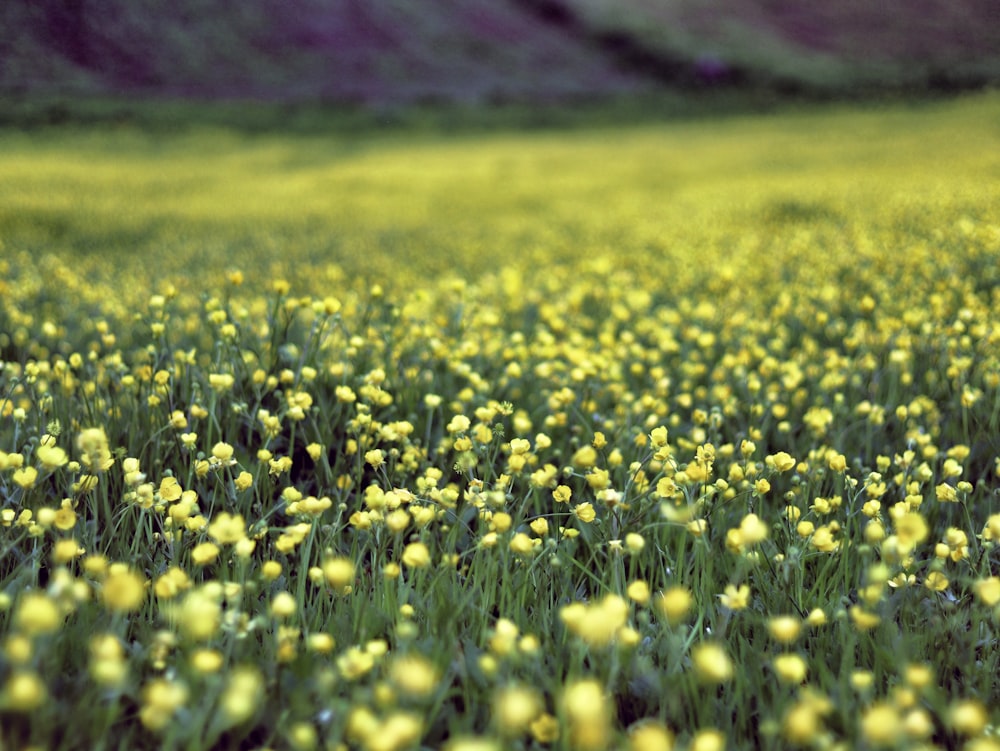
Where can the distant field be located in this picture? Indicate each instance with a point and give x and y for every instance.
(680, 435)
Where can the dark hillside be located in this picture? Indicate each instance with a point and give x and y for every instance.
(399, 51)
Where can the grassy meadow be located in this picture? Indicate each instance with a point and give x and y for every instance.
(673, 435)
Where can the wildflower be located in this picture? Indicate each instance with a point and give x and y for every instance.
(752, 530)
(584, 458)
(504, 639)
(24, 692)
(545, 728)
(108, 666)
(588, 716)
(968, 717)
(65, 518)
(735, 598)
(414, 675)
(790, 668)
(36, 614)
(634, 543)
(596, 624)
(936, 581)
(339, 573)
(514, 708)
(585, 512)
(416, 555)
(123, 590)
(521, 544)
(222, 452)
(863, 620)
(51, 456)
(781, 461)
(708, 740)
(650, 736)
(221, 382)
(243, 481)
(945, 493)
(283, 605)
(638, 591)
(25, 477)
(562, 494)
(880, 725)
(204, 553)
(988, 590)
(822, 539)
(161, 698)
(911, 530)
(784, 629)
(674, 604)
(94, 451)
(199, 615)
(64, 551)
(207, 661)
(711, 663)
(226, 528)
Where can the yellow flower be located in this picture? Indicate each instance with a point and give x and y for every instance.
(521, 544)
(588, 715)
(674, 604)
(638, 591)
(222, 452)
(416, 555)
(170, 489)
(585, 512)
(584, 458)
(227, 528)
(36, 614)
(790, 668)
(65, 518)
(545, 728)
(204, 553)
(414, 675)
(24, 692)
(968, 717)
(243, 481)
(94, 451)
(650, 736)
(711, 663)
(781, 461)
(988, 590)
(563, 493)
(881, 725)
(64, 551)
(25, 477)
(936, 581)
(123, 590)
(283, 605)
(514, 709)
(51, 456)
(863, 620)
(708, 740)
(784, 629)
(338, 572)
(161, 698)
(735, 598)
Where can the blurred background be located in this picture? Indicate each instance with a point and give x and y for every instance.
(383, 53)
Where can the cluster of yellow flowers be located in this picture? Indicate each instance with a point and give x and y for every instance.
(737, 497)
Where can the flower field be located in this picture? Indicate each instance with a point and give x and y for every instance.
(680, 435)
